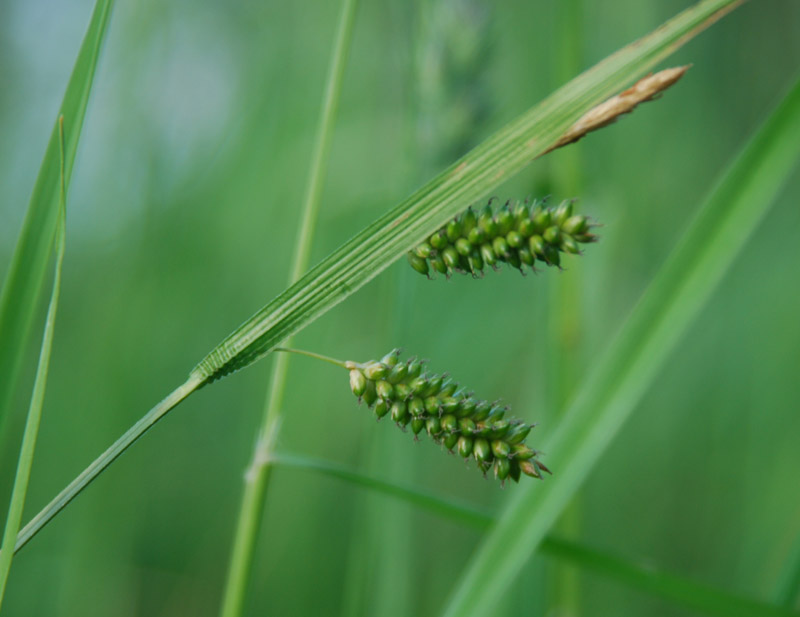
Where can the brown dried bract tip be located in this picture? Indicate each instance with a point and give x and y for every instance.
(646, 89)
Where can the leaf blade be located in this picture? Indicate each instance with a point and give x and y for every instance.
(676, 295)
(29, 265)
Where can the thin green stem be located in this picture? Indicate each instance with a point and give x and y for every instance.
(257, 477)
(86, 477)
(312, 354)
(28, 447)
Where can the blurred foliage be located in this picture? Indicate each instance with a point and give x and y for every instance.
(182, 213)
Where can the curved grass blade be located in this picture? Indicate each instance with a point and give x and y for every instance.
(682, 591)
(501, 156)
(683, 286)
(29, 264)
(20, 489)
(373, 249)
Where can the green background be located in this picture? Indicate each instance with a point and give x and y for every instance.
(182, 216)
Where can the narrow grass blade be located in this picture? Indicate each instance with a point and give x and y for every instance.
(29, 264)
(257, 478)
(681, 289)
(373, 249)
(501, 156)
(20, 488)
(144, 424)
(788, 589)
(677, 589)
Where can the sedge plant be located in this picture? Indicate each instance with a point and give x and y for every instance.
(407, 228)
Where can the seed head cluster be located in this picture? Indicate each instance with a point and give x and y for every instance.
(452, 417)
(519, 233)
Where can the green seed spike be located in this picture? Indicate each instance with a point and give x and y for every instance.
(518, 234)
(451, 416)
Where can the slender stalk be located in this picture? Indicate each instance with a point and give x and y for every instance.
(257, 477)
(28, 447)
(104, 460)
(312, 354)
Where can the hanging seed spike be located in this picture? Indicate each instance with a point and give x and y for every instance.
(449, 414)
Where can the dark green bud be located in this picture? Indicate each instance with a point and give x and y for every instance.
(465, 446)
(449, 423)
(518, 433)
(463, 247)
(402, 392)
(448, 388)
(423, 251)
(392, 358)
(417, 424)
(487, 223)
(575, 225)
(375, 371)
(488, 256)
(466, 426)
(551, 235)
(381, 409)
(437, 263)
(358, 383)
(419, 264)
(400, 413)
(453, 230)
(563, 212)
(416, 407)
(476, 236)
(434, 385)
(551, 255)
(482, 410)
(483, 452)
(505, 220)
(414, 369)
(398, 373)
(450, 404)
(500, 448)
(450, 256)
(433, 426)
(525, 256)
(522, 452)
(500, 247)
(384, 390)
(439, 240)
(514, 239)
(432, 405)
(370, 395)
(418, 385)
(498, 429)
(526, 228)
(569, 245)
(475, 262)
(542, 220)
(537, 245)
(468, 221)
(450, 441)
(502, 467)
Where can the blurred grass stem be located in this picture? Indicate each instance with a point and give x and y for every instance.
(257, 477)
